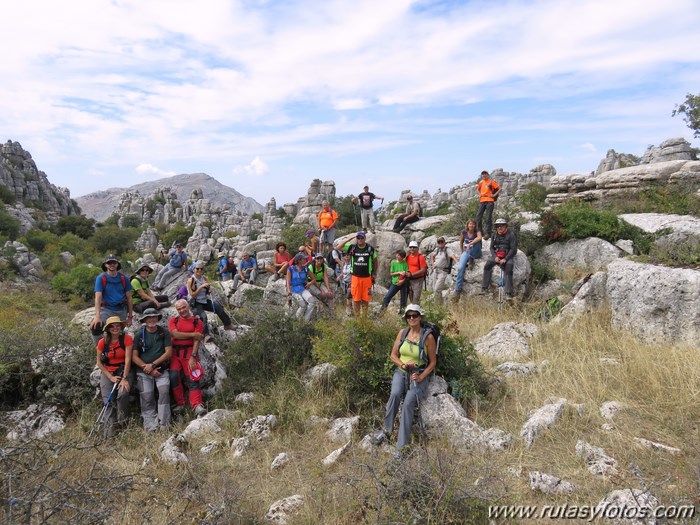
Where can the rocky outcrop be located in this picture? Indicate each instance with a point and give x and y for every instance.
(307, 207)
(671, 149)
(615, 161)
(590, 254)
(35, 422)
(656, 303)
(506, 341)
(25, 261)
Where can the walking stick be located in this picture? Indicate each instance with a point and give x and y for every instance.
(354, 213)
(105, 405)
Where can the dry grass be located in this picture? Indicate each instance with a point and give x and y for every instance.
(660, 388)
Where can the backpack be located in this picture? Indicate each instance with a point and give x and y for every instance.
(496, 197)
(104, 356)
(142, 348)
(428, 328)
(104, 286)
(330, 260)
(230, 266)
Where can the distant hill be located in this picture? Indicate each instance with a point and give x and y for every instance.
(101, 204)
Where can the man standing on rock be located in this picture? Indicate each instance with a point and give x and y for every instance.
(489, 190)
(112, 297)
(327, 218)
(417, 270)
(504, 248)
(366, 201)
(363, 271)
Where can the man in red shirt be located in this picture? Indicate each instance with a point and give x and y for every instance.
(186, 333)
(489, 190)
(417, 269)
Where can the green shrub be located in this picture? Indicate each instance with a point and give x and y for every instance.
(112, 239)
(540, 272)
(38, 240)
(276, 344)
(75, 224)
(131, 221)
(9, 226)
(77, 283)
(257, 216)
(533, 198)
(7, 195)
(179, 232)
(294, 236)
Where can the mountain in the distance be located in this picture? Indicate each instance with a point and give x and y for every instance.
(101, 204)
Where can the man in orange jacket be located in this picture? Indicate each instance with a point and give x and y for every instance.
(489, 190)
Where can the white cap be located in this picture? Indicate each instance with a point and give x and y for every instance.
(413, 308)
(413, 244)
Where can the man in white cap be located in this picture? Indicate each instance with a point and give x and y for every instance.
(504, 248)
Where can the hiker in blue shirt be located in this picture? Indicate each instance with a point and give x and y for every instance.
(112, 296)
(224, 270)
(176, 264)
(247, 270)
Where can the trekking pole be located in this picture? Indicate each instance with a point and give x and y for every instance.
(105, 405)
(501, 284)
(354, 213)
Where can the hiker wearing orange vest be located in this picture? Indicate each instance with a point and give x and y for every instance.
(489, 190)
(327, 218)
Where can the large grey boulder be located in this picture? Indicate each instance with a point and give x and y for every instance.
(653, 222)
(506, 341)
(35, 422)
(590, 254)
(26, 261)
(590, 296)
(656, 303)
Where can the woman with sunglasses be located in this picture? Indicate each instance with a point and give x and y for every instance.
(413, 367)
(114, 353)
(200, 288)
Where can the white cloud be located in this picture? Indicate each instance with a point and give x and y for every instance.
(257, 168)
(150, 169)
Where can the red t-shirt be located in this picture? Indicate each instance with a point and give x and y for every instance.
(116, 353)
(191, 324)
(415, 263)
(281, 258)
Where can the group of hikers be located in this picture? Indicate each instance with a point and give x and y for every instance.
(163, 362)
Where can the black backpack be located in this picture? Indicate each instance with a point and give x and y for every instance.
(330, 260)
(427, 328)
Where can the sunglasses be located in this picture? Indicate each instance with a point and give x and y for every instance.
(198, 269)
(412, 316)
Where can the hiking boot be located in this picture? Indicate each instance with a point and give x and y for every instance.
(456, 296)
(199, 411)
(179, 410)
(379, 438)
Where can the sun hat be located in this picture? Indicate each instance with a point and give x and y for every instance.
(111, 258)
(413, 244)
(500, 222)
(319, 255)
(112, 320)
(309, 233)
(413, 308)
(150, 312)
(145, 267)
(222, 254)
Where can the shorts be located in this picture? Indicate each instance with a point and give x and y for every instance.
(360, 288)
(328, 236)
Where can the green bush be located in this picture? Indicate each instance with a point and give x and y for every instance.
(275, 345)
(7, 195)
(75, 224)
(77, 283)
(676, 251)
(533, 198)
(294, 236)
(9, 226)
(179, 232)
(131, 221)
(115, 240)
(38, 240)
(540, 272)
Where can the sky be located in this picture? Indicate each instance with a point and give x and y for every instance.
(267, 95)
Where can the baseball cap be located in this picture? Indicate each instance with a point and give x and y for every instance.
(361, 234)
(413, 244)
(319, 255)
(414, 308)
(309, 233)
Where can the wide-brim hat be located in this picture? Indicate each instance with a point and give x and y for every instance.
(111, 258)
(413, 308)
(145, 267)
(112, 320)
(500, 222)
(150, 312)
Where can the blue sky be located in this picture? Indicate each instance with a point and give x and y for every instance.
(267, 95)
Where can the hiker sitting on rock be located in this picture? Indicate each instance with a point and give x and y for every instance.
(200, 289)
(186, 334)
(298, 287)
(470, 245)
(504, 248)
(247, 270)
(112, 297)
(410, 215)
(312, 243)
(114, 353)
(414, 354)
(177, 263)
(142, 296)
(318, 275)
(280, 261)
(152, 351)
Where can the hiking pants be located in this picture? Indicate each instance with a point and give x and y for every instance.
(113, 417)
(367, 218)
(215, 307)
(179, 376)
(415, 394)
(401, 222)
(488, 208)
(393, 290)
(249, 274)
(416, 289)
(316, 292)
(440, 280)
(155, 400)
(507, 272)
(162, 299)
(473, 253)
(307, 304)
(164, 275)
